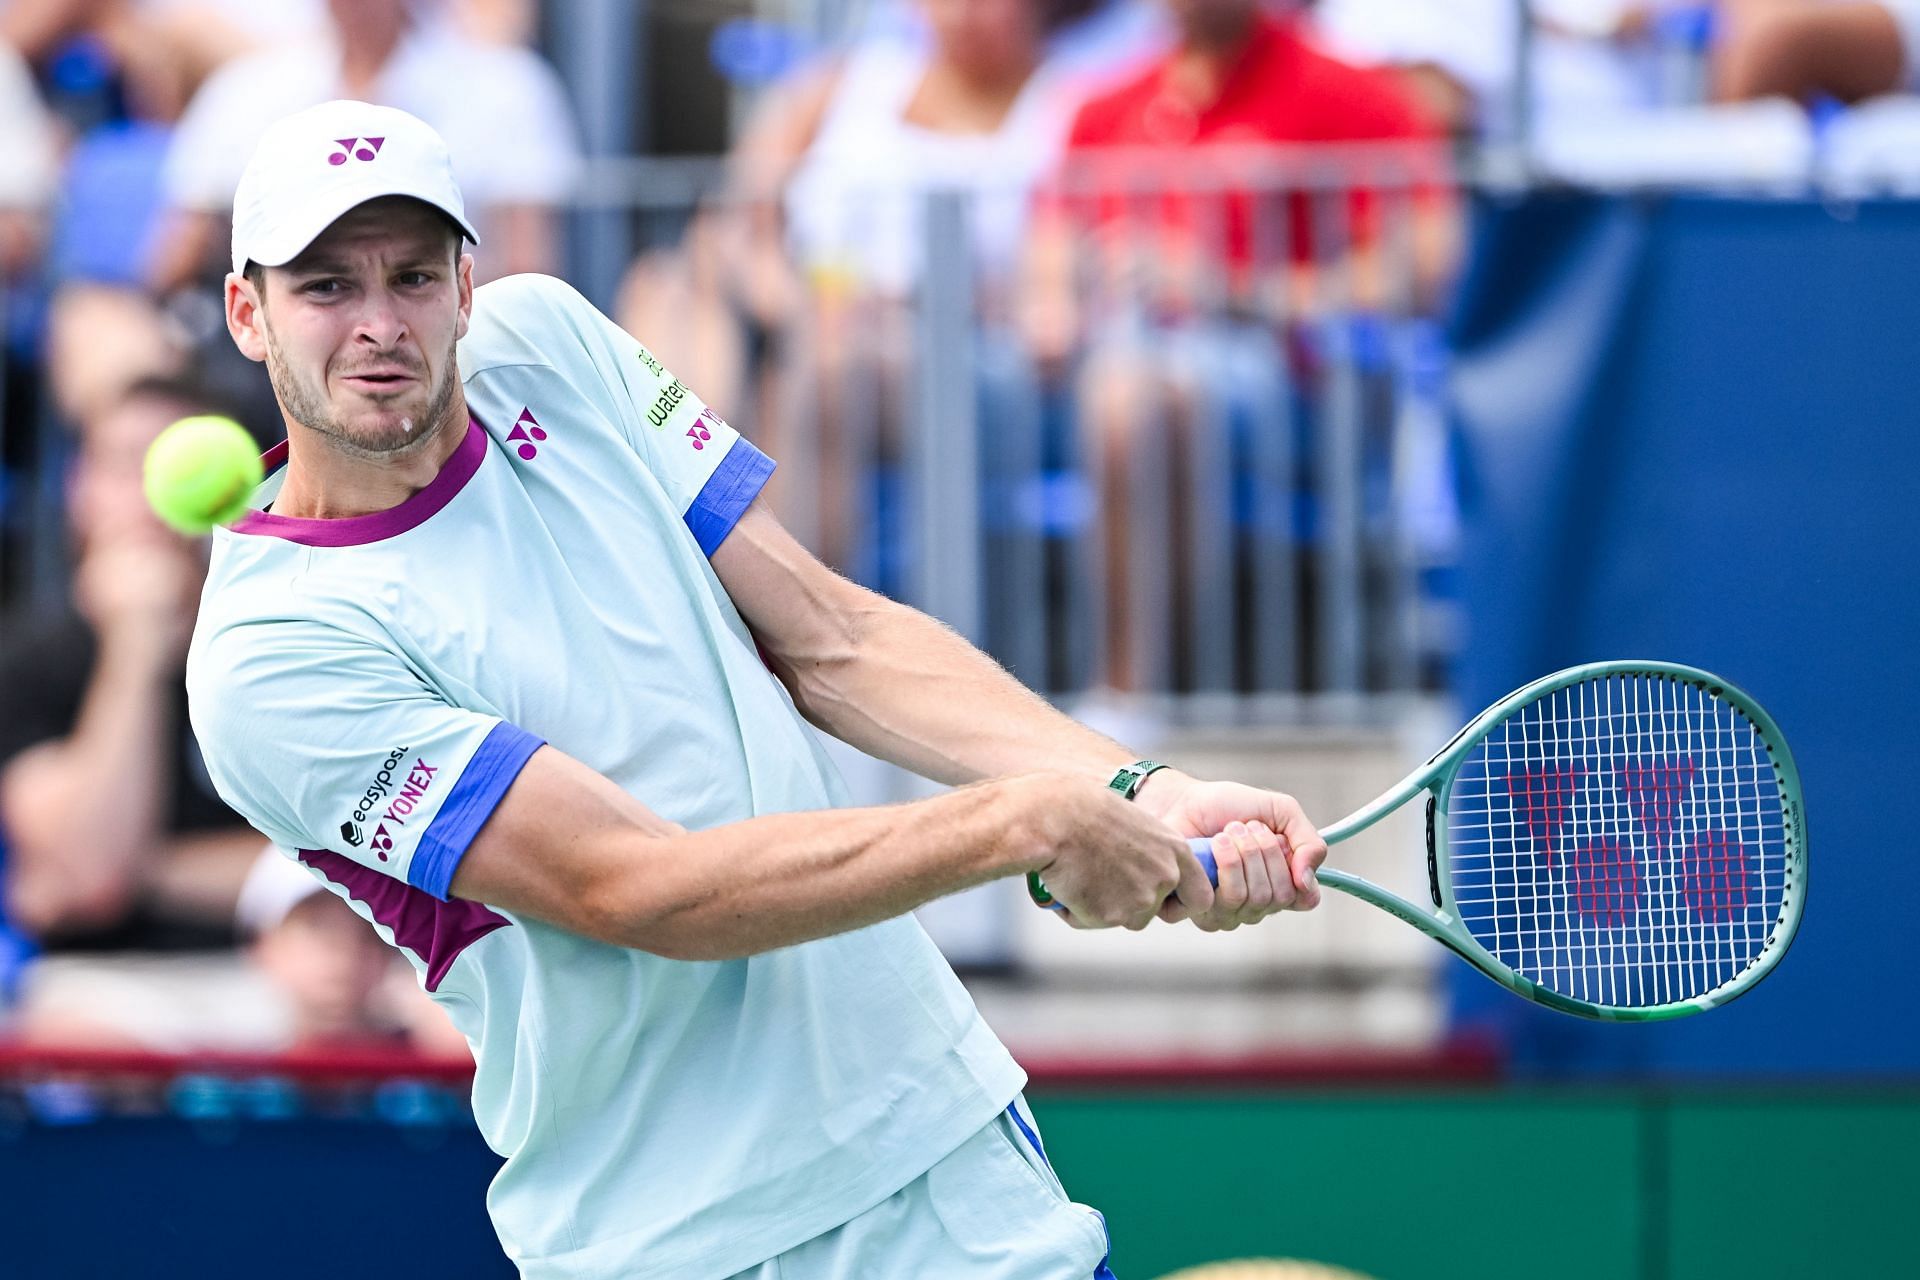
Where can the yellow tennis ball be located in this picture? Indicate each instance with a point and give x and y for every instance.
(200, 473)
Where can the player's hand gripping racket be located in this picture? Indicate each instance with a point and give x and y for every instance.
(1622, 840)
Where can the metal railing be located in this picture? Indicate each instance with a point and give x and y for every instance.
(1228, 482)
(1247, 530)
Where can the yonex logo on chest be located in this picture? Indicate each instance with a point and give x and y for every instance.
(355, 149)
(527, 430)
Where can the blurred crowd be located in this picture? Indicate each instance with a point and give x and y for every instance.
(1151, 242)
(139, 911)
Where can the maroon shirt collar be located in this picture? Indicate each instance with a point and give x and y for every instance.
(354, 531)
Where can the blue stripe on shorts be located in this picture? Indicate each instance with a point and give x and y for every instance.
(1102, 1271)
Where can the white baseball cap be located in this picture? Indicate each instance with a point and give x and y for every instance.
(313, 166)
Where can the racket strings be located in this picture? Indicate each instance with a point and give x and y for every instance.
(1621, 841)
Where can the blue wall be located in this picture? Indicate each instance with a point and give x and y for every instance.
(292, 1199)
(1688, 430)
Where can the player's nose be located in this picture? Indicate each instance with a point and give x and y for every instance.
(380, 322)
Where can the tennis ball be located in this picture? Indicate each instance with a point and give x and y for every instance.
(200, 473)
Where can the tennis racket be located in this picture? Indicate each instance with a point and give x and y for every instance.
(1621, 840)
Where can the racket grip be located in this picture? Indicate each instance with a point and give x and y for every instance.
(1202, 847)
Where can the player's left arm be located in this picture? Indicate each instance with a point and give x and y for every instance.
(902, 686)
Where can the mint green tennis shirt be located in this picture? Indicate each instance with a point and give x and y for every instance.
(367, 689)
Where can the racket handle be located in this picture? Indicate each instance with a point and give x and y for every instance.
(1202, 848)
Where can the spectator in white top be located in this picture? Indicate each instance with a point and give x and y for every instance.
(975, 112)
(500, 107)
(824, 239)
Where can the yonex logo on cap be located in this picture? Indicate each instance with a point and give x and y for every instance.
(527, 430)
(357, 148)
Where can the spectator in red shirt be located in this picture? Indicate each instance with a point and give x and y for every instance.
(1181, 169)
(1183, 192)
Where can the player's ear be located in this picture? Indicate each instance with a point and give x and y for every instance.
(245, 316)
(466, 295)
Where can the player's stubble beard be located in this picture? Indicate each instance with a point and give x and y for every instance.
(308, 406)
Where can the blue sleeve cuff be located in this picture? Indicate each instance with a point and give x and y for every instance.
(728, 492)
(501, 756)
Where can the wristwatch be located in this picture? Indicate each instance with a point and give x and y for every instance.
(1127, 782)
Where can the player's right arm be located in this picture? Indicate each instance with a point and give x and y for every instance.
(327, 739)
(568, 846)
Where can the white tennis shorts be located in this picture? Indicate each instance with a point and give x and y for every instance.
(993, 1210)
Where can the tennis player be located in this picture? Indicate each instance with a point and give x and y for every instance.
(512, 657)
